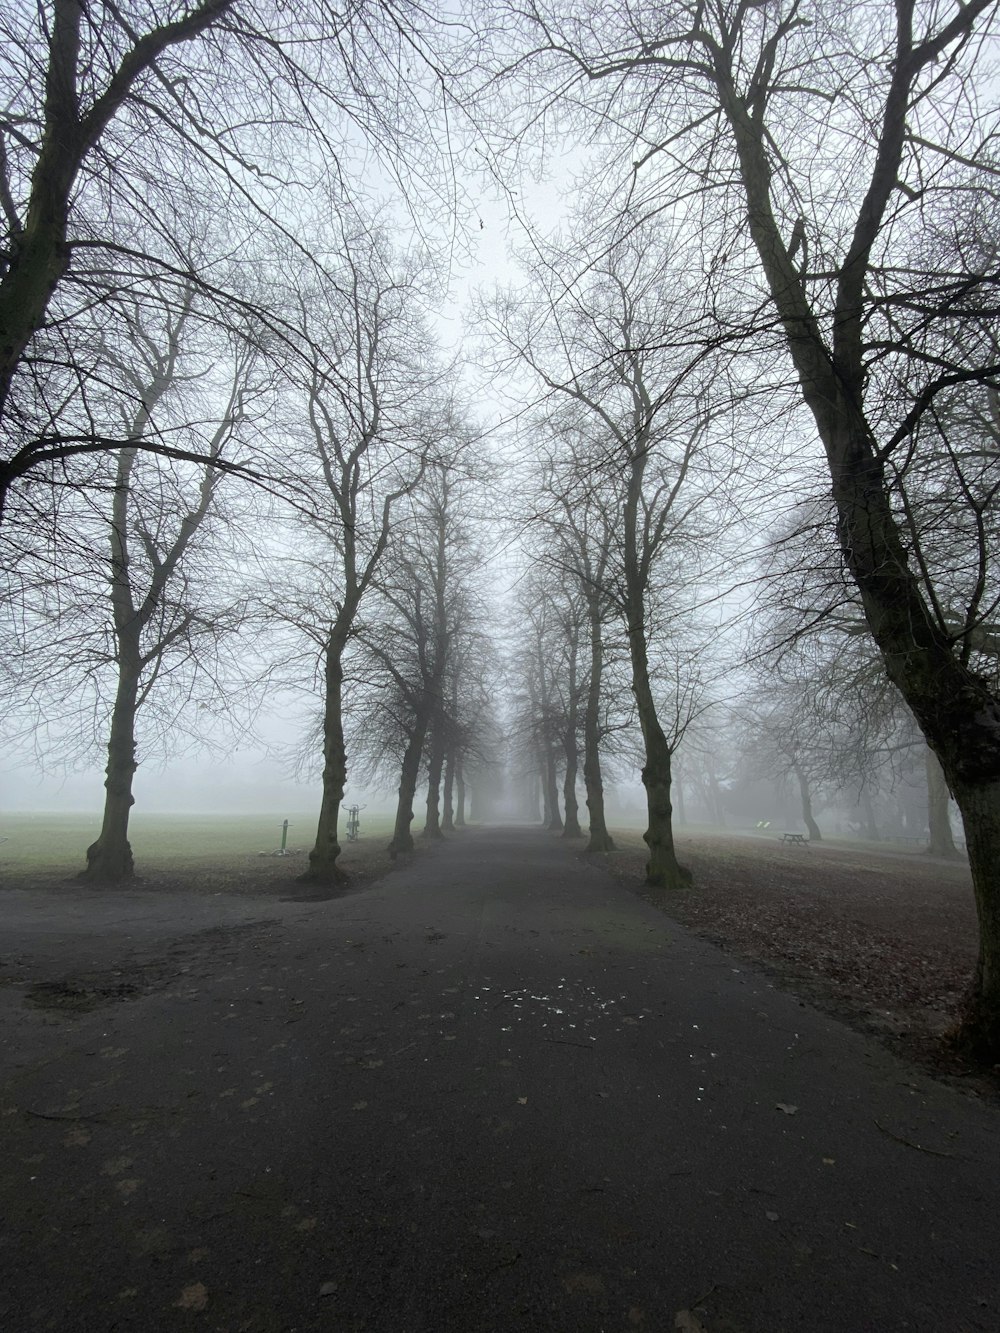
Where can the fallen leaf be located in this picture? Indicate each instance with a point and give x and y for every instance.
(359, 1106)
(828, 1161)
(771, 1217)
(328, 1289)
(116, 1166)
(522, 1101)
(686, 1322)
(786, 1107)
(194, 1297)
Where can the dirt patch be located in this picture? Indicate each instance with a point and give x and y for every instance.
(52, 983)
(886, 939)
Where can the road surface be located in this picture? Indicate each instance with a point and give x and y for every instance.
(495, 1091)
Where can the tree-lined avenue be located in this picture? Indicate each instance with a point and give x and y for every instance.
(495, 1091)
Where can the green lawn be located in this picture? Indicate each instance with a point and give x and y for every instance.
(58, 843)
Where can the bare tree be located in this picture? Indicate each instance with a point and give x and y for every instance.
(600, 341)
(143, 627)
(577, 542)
(106, 140)
(473, 686)
(369, 422)
(873, 234)
(546, 710)
(411, 639)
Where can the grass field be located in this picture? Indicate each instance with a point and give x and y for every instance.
(175, 845)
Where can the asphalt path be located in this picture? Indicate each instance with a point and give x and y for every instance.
(495, 1091)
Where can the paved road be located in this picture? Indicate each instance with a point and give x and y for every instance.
(497, 1091)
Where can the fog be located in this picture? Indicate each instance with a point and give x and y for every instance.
(244, 785)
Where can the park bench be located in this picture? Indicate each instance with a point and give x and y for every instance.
(798, 839)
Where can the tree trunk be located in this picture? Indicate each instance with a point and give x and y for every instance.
(941, 842)
(954, 706)
(572, 827)
(459, 791)
(871, 826)
(554, 819)
(323, 866)
(980, 808)
(571, 750)
(38, 254)
(402, 836)
(593, 781)
(806, 799)
(432, 824)
(448, 802)
(662, 868)
(109, 859)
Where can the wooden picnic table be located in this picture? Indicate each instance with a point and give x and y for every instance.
(799, 839)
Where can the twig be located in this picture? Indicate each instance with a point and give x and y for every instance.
(43, 1115)
(557, 1041)
(702, 1299)
(934, 1152)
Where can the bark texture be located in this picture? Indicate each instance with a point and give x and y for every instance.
(432, 823)
(109, 859)
(662, 869)
(402, 835)
(326, 849)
